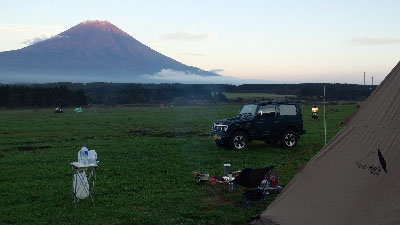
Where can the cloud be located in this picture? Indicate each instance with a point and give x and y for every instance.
(15, 36)
(31, 29)
(216, 70)
(192, 54)
(35, 40)
(173, 76)
(42, 38)
(375, 41)
(188, 35)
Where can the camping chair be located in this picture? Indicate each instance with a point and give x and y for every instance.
(254, 182)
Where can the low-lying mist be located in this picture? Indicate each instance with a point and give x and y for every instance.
(164, 76)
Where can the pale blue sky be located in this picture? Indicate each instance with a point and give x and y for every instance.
(284, 41)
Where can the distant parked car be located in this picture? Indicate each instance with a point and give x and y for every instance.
(267, 121)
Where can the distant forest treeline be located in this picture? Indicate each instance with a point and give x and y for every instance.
(78, 94)
(308, 91)
(36, 96)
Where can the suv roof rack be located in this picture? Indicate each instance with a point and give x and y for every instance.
(269, 101)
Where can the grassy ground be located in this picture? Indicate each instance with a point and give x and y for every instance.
(146, 158)
(253, 96)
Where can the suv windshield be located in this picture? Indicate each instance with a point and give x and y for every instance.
(248, 110)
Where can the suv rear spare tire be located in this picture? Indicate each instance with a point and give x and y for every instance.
(289, 139)
(239, 140)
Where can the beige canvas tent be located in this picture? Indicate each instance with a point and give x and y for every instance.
(355, 179)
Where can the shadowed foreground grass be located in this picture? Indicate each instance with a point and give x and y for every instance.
(146, 158)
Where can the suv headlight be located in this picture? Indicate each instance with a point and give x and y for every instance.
(218, 127)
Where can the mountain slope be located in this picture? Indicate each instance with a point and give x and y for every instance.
(90, 48)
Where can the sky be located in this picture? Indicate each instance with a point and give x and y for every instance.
(288, 41)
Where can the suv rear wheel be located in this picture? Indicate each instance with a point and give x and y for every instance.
(289, 139)
(239, 140)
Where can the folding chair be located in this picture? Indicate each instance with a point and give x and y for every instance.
(254, 183)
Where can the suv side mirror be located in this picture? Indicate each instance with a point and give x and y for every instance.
(259, 114)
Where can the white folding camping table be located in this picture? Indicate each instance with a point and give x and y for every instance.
(83, 182)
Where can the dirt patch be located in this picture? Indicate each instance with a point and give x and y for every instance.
(31, 142)
(139, 208)
(167, 134)
(32, 148)
(141, 132)
(23, 143)
(70, 139)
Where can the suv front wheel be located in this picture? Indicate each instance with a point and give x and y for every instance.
(239, 140)
(289, 139)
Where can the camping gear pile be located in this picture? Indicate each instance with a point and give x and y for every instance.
(254, 184)
(354, 179)
(205, 177)
(201, 176)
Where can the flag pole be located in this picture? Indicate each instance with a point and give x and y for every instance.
(324, 116)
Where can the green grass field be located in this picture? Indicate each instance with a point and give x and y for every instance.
(253, 96)
(146, 154)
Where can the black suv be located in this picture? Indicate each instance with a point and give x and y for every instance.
(267, 121)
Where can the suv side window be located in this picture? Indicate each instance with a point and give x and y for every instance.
(288, 110)
(267, 110)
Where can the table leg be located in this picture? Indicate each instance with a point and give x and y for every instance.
(74, 185)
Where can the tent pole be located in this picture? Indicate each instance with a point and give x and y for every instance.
(324, 116)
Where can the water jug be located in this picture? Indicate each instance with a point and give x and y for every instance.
(92, 158)
(227, 169)
(83, 156)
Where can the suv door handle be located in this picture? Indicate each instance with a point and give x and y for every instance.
(277, 122)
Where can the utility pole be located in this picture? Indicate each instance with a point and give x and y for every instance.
(364, 78)
(324, 116)
(372, 81)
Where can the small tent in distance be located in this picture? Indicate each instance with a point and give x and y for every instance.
(78, 110)
(355, 179)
